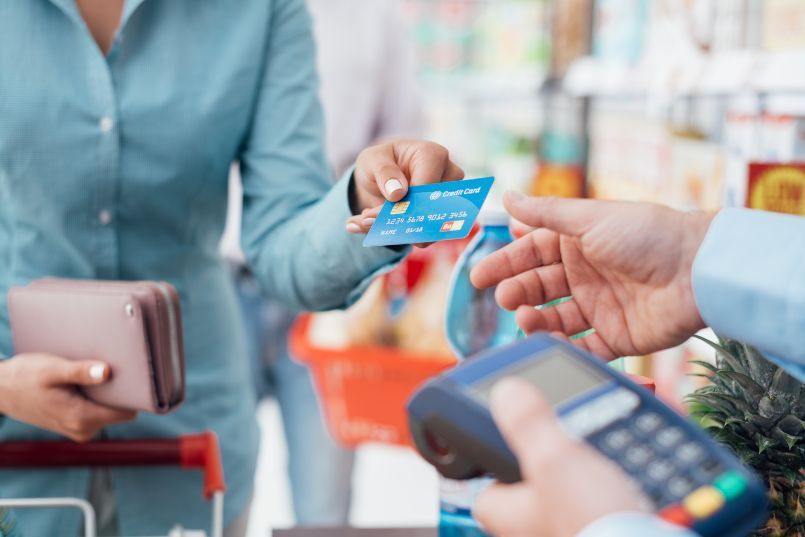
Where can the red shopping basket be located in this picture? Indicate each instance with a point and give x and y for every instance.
(192, 452)
(363, 390)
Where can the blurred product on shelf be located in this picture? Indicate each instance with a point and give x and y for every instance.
(570, 34)
(619, 30)
(482, 65)
(696, 179)
(783, 24)
(561, 157)
(777, 187)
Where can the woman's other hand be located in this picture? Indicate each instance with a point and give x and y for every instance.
(385, 171)
(42, 390)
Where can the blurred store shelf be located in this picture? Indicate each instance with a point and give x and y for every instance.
(724, 73)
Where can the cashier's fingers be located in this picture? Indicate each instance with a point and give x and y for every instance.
(492, 506)
(537, 249)
(525, 420)
(534, 287)
(595, 344)
(59, 371)
(519, 229)
(563, 215)
(565, 317)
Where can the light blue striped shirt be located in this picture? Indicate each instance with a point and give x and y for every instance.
(116, 168)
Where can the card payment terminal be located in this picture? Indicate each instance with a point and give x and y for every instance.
(691, 480)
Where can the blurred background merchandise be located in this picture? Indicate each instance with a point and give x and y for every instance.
(698, 104)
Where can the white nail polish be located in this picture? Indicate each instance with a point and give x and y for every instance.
(368, 222)
(392, 185)
(97, 371)
(352, 227)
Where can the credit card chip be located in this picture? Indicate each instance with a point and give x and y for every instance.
(400, 207)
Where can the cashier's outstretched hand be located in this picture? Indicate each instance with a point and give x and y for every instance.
(626, 265)
(566, 484)
(385, 171)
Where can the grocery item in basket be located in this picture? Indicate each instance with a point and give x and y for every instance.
(419, 327)
(135, 327)
(430, 213)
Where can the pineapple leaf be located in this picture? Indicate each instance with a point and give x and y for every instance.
(784, 384)
(730, 359)
(707, 365)
(763, 443)
(753, 390)
(791, 425)
(715, 401)
(789, 439)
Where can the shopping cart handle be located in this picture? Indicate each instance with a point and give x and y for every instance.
(201, 452)
(191, 452)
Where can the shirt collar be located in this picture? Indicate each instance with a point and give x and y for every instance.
(70, 8)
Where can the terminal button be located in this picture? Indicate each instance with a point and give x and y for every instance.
(703, 502)
(731, 484)
(676, 514)
(660, 470)
(690, 453)
(679, 487)
(648, 423)
(617, 440)
(670, 437)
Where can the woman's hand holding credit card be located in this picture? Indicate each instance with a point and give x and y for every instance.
(386, 171)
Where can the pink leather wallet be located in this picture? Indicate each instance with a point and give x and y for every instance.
(135, 327)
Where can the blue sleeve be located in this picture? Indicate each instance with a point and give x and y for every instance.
(749, 282)
(635, 524)
(293, 224)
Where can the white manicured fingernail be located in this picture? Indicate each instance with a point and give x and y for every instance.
(392, 185)
(97, 371)
(368, 222)
(352, 227)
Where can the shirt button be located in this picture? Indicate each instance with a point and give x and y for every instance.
(106, 124)
(104, 217)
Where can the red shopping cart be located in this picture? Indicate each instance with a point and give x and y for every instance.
(192, 452)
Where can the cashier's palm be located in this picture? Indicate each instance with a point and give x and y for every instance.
(626, 265)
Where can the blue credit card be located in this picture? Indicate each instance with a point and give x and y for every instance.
(430, 213)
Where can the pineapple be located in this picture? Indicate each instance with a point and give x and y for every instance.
(757, 410)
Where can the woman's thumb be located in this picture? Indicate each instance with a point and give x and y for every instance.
(82, 373)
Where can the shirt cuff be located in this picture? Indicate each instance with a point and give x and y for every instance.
(376, 260)
(633, 524)
(746, 279)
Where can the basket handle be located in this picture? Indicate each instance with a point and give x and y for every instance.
(190, 452)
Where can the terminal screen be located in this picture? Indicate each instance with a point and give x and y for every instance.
(558, 375)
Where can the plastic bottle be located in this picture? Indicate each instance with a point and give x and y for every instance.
(474, 323)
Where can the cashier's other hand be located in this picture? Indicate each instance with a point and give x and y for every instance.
(385, 171)
(626, 265)
(566, 484)
(42, 390)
